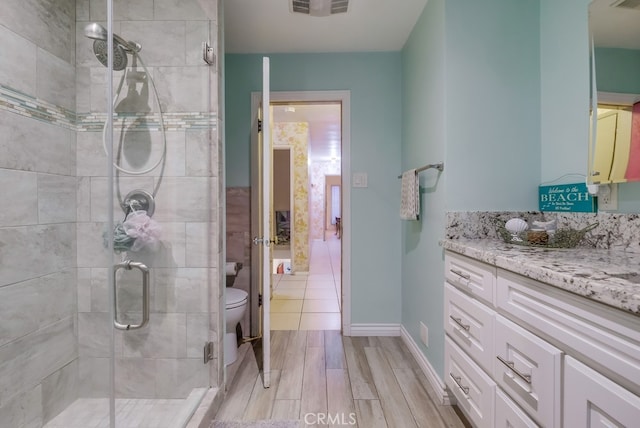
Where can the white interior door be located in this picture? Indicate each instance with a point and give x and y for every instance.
(261, 220)
(266, 215)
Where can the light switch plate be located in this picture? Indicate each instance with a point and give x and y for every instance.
(359, 179)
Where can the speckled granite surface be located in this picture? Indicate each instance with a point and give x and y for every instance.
(608, 276)
(614, 231)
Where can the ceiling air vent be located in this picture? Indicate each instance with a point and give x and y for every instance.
(627, 4)
(319, 7)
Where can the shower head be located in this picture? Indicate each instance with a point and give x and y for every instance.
(96, 31)
(121, 47)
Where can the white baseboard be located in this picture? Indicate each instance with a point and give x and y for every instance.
(375, 330)
(436, 383)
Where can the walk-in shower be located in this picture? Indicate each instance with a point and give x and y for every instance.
(80, 139)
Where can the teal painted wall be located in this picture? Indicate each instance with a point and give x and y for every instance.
(564, 72)
(493, 104)
(618, 70)
(423, 142)
(472, 99)
(374, 80)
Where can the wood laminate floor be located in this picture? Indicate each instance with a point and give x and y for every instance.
(324, 379)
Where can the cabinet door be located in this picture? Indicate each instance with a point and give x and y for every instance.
(473, 389)
(470, 325)
(509, 415)
(528, 370)
(607, 336)
(592, 400)
(474, 277)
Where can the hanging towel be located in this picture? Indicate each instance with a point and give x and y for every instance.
(633, 166)
(410, 197)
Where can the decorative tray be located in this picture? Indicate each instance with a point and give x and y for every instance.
(520, 234)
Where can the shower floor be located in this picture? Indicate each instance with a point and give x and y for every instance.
(130, 413)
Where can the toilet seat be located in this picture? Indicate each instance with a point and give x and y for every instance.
(234, 298)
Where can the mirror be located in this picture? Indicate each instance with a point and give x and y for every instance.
(614, 156)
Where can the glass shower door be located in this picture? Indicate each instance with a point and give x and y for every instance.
(154, 208)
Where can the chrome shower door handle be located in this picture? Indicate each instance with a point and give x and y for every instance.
(128, 264)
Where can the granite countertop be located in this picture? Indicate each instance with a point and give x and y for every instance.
(608, 276)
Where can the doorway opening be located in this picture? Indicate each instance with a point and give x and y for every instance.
(310, 261)
(306, 281)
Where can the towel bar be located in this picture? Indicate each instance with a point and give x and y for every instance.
(438, 166)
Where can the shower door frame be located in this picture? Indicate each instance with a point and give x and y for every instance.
(208, 373)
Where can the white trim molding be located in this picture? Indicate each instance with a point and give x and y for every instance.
(436, 383)
(344, 97)
(374, 330)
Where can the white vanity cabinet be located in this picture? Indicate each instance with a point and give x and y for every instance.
(470, 324)
(508, 414)
(528, 370)
(474, 277)
(473, 388)
(591, 400)
(547, 357)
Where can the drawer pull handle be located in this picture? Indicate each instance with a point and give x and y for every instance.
(457, 380)
(511, 366)
(461, 274)
(458, 321)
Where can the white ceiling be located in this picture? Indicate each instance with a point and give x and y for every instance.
(611, 27)
(267, 26)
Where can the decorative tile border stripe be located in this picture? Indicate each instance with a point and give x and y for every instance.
(151, 121)
(28, 106)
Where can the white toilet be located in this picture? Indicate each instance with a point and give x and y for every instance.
(235, 305)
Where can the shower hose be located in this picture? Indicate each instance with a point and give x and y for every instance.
(162, 130)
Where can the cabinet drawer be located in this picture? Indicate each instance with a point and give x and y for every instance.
(475, 278)
(592, 400)
(509, 415)
(473, 389)
(470, 325)
(528, 370)
(606, 338)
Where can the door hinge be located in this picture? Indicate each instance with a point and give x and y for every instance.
(259, 299)
(259, 125)
(208, 352)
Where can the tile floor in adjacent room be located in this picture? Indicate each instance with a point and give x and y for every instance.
(310, 302)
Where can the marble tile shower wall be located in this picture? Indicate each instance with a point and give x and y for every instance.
(165, 359)
(53, 318)
(38, 347)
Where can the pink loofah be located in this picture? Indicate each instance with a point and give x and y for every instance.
(143, 229)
